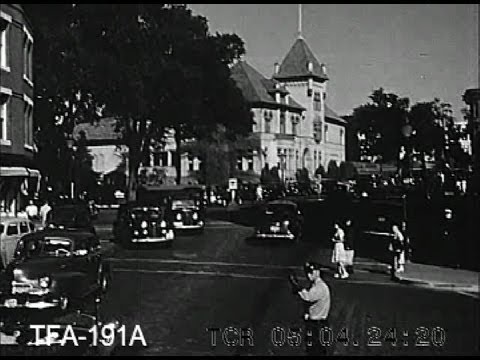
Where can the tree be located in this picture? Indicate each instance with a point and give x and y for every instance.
(149, 60)
(303, 180)
(61, 100)
(379, 123)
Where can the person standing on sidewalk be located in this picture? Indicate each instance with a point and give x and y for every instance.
(349, 246)
(338, 254)
(396, 248)
(44, 210)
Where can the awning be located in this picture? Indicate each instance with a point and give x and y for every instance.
(18, 171)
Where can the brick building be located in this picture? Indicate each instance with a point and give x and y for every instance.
(18, 175)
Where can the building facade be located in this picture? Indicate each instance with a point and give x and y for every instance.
(19, 179)
(295, 127)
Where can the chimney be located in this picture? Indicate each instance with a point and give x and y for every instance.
(276, 68)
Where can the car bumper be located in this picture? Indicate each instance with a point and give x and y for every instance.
(150, 240)
(29, 302)
(179, 225)
(274, 236)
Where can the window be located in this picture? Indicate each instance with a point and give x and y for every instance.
(4, 44)
(250, 162)
(12, 229)
(28, 121)
(27, 55)
(317, 130)
(156, 159)
(282, 123)
(326, 132)
(294, 124)
(3, 116)
(240, 163)
(24, 227)
(268, 115)
(341, 136)
(190, 163)
(317, 101)
(164, 159)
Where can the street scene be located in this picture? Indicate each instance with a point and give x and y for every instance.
(208, 180)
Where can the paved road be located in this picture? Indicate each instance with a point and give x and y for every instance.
(218, 280)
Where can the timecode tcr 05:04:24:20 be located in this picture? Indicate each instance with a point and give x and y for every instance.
(374, 337)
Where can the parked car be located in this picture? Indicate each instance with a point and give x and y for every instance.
(11, 230)
(55, 269)
(75, 216)
(280, 219)
(142, 223)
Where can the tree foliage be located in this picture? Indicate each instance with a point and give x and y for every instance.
(380, 122)
(152, 66)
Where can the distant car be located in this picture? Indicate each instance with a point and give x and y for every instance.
(280, 219)
(56, 270)
(11, 230)
(74, 216)
(186, 204)
(141, 223)
(188, 214)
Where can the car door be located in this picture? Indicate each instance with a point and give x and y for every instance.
(12, 235)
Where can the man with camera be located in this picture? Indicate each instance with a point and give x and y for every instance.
(317, 299)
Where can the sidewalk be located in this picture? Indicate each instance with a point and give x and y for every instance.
(441, 277)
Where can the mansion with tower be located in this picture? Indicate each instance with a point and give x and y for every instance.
(295, 127)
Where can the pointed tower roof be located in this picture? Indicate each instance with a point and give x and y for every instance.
(296, 64)
(257, 89)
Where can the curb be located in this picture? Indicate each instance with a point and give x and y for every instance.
(437, 285)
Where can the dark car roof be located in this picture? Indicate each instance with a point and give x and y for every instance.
(73, 235)
(282, 202)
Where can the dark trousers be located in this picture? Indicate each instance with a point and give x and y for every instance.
(313, 343)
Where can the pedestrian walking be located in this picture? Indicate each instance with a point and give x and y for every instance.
(396, 248)
(44, 210)
(317, 299)
(338, 254)
(349, 246)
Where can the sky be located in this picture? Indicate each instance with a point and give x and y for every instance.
(420, 51)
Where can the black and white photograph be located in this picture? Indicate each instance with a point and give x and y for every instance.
(239, 180)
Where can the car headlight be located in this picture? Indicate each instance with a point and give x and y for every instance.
(163, 224)
(195, 216)
(179, 217)
(286, 223)
(44, 282)
(144, 225)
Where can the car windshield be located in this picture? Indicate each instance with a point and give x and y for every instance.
(68, 217)
(146, 212)
(182, 203)
(46, 247)
(278, 211)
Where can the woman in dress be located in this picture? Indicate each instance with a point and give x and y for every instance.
(338, 255)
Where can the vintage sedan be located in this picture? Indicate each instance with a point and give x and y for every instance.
(280, 219)
(187, 214)
(138, 223)
(55, 269)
